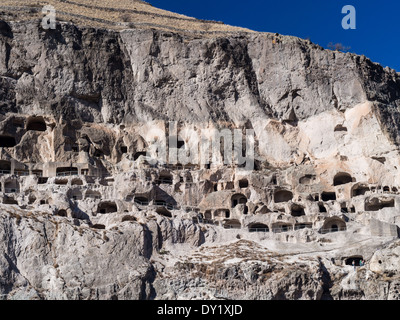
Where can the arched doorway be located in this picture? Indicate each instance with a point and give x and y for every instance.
(342, 178)
(238, 199)
(107, 207)
(356, 261)
(258, 227)
(334, 224)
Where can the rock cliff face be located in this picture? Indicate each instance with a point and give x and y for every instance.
(89, 211)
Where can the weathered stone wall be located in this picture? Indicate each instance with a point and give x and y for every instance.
(83, 216)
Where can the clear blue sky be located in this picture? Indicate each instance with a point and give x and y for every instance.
(378, 21)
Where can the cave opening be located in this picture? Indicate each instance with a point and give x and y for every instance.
(283, 196)
(7, 142)
(107, 207)
(328, 196)
(297, 211)
(258, 227)
(342, 178)
(357, 260)
(36, 124)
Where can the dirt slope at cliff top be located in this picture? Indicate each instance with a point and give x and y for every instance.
(113, 15)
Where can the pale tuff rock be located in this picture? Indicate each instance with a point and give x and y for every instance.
(85, 214)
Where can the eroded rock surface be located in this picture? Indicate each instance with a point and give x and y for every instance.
(87, 214)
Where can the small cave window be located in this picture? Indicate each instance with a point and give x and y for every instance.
(297, 211)
(124, 149)
(62, 213)
(356, 261)
(342, 178)
(7, 142)
(139, 154)
(283, 196)
(36, 124)
(340, 128)
(107, 207)
(328, 196)
(322, 208)
(258, 227)
(238, 199)
(244, 183)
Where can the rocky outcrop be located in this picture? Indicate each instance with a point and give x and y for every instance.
(220, 78)
(90, 211)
